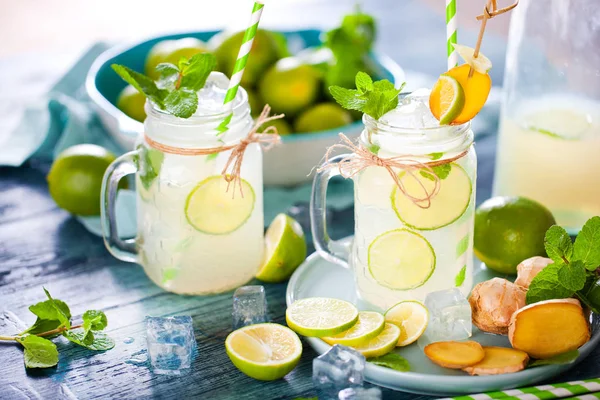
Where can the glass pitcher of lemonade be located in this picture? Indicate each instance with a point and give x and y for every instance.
(194, 234)
(402, 248)
(549, 140)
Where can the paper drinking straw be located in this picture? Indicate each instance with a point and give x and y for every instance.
(451, 27)
(552, 391)
(240, 64)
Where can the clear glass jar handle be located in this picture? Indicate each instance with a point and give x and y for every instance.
(125, 250)
(332, 250)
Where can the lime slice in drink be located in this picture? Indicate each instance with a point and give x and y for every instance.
(369, 325)
(446, 206)
(264, 351)
(401, 259)
(380, 344)
(285, 249)
(481, 63)
(411, 317)
(451, 97)
(212, 209)
(374, 186)
(562, 124)
(321, 316)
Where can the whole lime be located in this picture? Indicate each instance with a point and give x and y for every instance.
(264, 52)
(283, 127)
(322, 117)
(509, 230)
(171, 51)
(132, 102)
(290, 86)
(75, 178)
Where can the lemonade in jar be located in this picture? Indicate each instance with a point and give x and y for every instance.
(198, 232)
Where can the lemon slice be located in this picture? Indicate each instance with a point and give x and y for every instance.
(264, 351)
(211, 209)
(285, 249)
(380, 344)
(369, 325)
(448, 205)
(401, 259)
(451, 97)
(411, 317)
(321, 316)
(481, 63)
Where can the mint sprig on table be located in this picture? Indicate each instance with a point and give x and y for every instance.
(574, 272)
(372, 98)
(54, 319)
(176, 90)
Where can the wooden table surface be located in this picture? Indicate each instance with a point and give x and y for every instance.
(42, 245)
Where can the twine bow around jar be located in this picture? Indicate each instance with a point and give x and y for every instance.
(362, 158)
(232, 169)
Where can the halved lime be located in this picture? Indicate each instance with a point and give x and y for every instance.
(264, 351)
(411, 317)
(481, 63)
(380, 344)
(369, 325)
(446, 206)
(451, 97)
(321, 316)
(212, 209)
(401, 259)
(285, 249)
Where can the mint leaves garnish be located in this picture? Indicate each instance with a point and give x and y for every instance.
(574, 271)
(176, 89)
(391, 360)
(54, 319)
(372, 98)
(459, 279)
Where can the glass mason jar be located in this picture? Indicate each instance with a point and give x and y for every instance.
(549, 137)
(400, 250)
(194, 235)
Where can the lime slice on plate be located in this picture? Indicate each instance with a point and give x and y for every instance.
(451, 96)
(481, 63)
(411, 317)
(264, 351)
(285, 249)
(211, 209)
(380, 344)
(369, 325)
(321, 316)
(401, 259)
(446, 206)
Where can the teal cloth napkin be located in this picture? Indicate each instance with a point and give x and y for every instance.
(65, 117)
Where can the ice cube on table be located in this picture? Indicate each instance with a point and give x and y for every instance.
(360, 394)
(449, 317)
(340, 368)
(171, 344)
(249, 306)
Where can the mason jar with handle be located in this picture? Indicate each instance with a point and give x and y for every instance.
(414, 204)
(196, 232)
(549, 137)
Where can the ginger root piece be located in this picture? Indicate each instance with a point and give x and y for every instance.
(499, 360)
(455, 355)
(549, 328)
(528, 269)
(493, 302)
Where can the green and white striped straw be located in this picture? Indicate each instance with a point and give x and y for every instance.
(451, 28)
(542, 392)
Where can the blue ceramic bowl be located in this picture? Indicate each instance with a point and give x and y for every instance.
(284, 165)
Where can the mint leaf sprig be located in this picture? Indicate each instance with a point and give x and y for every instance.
(54, 319)
(575, 268)
(372, 98)
(176, 90)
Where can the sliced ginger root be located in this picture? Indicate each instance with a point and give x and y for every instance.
(529, 268)
(549, 328)
(499, 360)
(476, 90)
(493, 303)
(455, 355)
